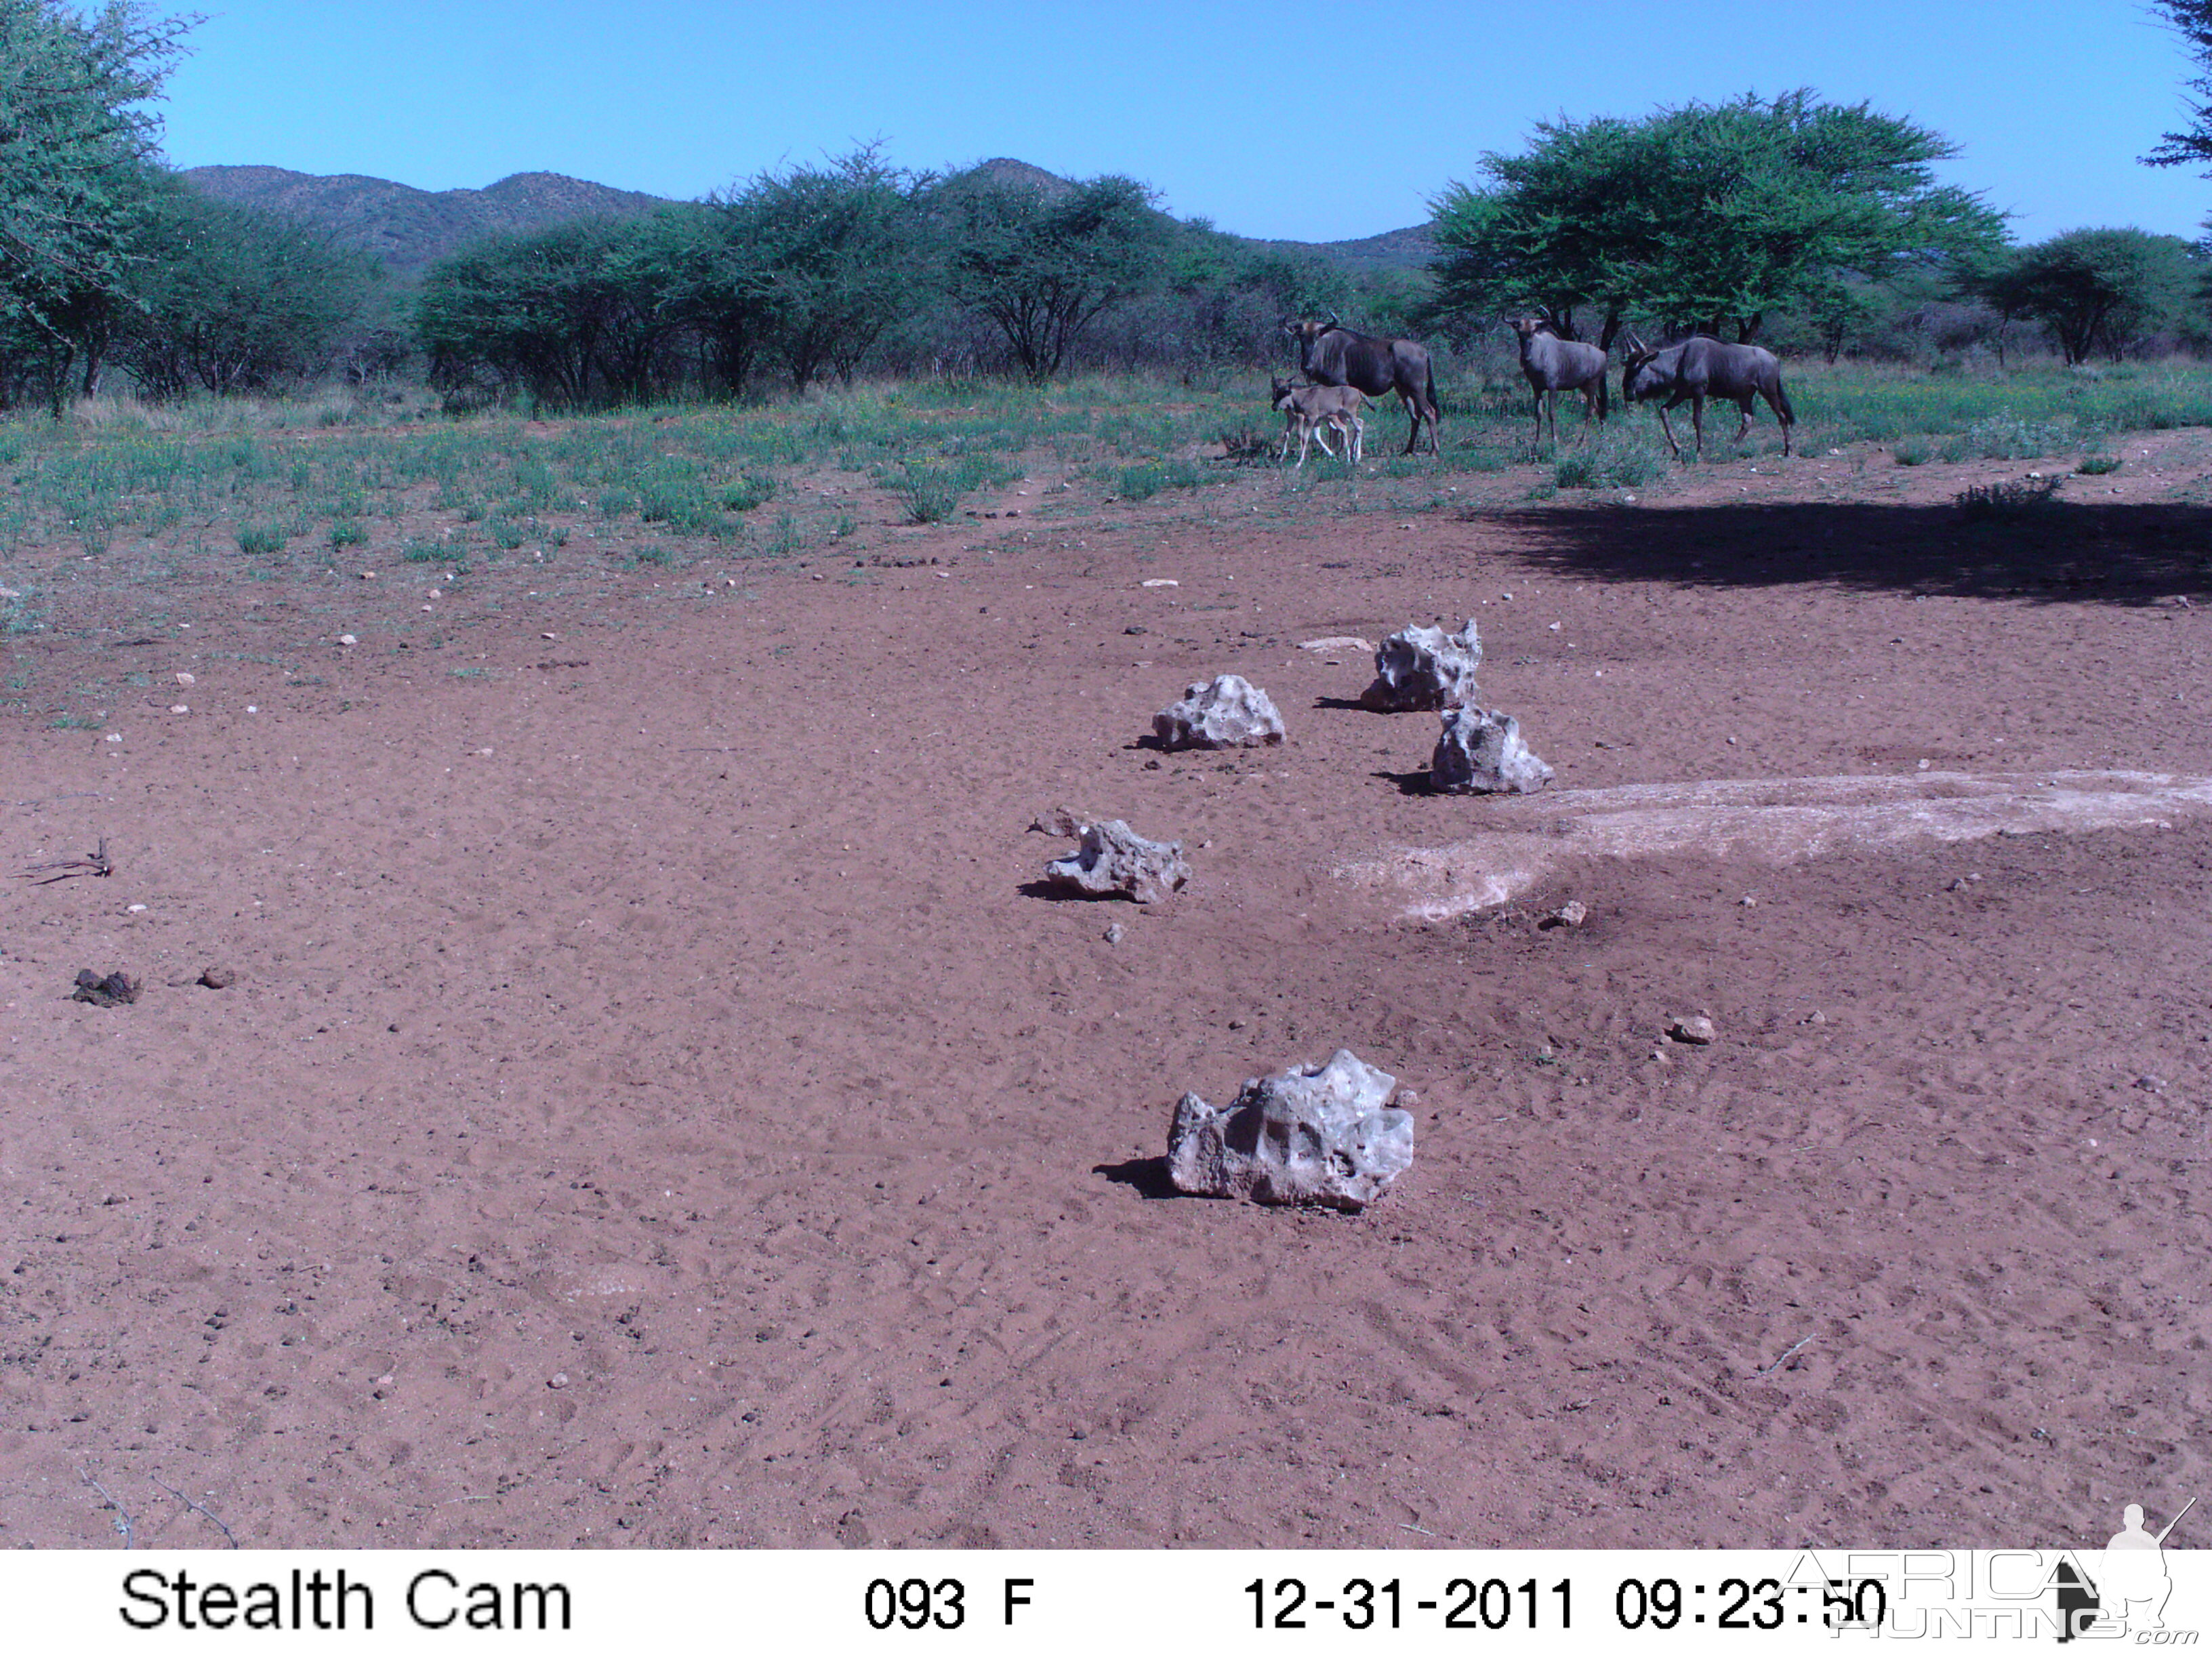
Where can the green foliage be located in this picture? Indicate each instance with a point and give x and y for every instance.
(929, 494)
(1141, 483)
(836, 253)
(231, 299)
(747, 493)
(2018, 498)
(2192, 146)
(2096, 466)
(1620, 458)
(1699, 215)
(76, 153)
(2096, 290)
(259, 540)
(574, 317)
(1042, 264)
(348, 532)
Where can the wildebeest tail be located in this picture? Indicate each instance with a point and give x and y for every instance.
(1604, 404)
(1782, 402)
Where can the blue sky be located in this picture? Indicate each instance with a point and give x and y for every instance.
(1308, 121)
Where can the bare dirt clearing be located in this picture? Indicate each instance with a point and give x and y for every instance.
(650, 1108)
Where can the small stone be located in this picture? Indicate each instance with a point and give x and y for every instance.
(1058, 821)
(1748, 902)
(369, 576)
(347, 639)
(216, 977)
(1479, 752)
(1339, 644)
(1229, 712)
(1691, 1028)
(558, 1380)
(134, 909)
(1162, 581)
(185, 679)
(1114, 934)
(1816, 1018)
(1114, 859)
(116, 988)
(1960, 885)
(179, 708)
(1315, 1134)
(1572, 914)
(2150, 1085)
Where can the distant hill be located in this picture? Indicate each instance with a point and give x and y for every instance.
(411, 229)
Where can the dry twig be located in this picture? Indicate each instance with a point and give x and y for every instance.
(93, 863)
(226, 1533)
(125, 1525)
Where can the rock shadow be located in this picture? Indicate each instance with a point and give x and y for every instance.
(1147, 1176)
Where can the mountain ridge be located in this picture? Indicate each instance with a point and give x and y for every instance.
(411, 229)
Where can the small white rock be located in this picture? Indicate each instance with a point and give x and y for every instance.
(179, 708)
(1161, 582)
(1691, 1028)
(185, 679)
(115, 737)
(347, 639)
(134, 909)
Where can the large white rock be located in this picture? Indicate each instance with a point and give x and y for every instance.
(1315, 1134)
(1425, 668)
(1479, 752)
(1116, 859)
(1228, 714)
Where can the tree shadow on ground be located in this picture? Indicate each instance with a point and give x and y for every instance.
(2123, 554)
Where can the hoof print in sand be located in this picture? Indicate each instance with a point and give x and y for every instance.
(1479, 752)
(103, 993)
(1425, 668)
(1315, 1134)
(1115, 860)
(1229, 713)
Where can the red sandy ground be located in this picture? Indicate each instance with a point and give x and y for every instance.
(653, 1108)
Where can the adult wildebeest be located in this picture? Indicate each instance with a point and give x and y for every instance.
(1330, 354)
(1553, 365)
(1702, 368)
(1307, 409)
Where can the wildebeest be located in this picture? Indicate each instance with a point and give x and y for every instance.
(1702, 368)
(1332, 354)
(1307, 409)
(1553, 365)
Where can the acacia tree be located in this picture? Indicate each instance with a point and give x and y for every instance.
(2096, 290)
(578, 314)
(2192, 21)
(228, 299)
(836, 256)
(75, 144)
(1708, 214)
(1043, 264)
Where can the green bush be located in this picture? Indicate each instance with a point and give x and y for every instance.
(2017, 498)
(1143, 482)
(348, 532)
(258, 540)
(1913, 451)
(929, 494)
(2096, 466)
(748, 492)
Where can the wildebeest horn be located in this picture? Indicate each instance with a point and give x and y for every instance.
(1333, 323)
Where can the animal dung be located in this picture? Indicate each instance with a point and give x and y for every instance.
(103, 993)
(1228, 713)
(1425, 668)
(1479, 752)
(1116, 861)
(1315, 1134)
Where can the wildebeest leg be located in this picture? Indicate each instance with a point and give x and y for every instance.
(1748, 404)
(1668, 429)
(1290, 430)
(1698, 423)
(1413, 409)
(1784, 417)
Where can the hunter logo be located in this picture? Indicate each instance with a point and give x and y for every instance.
(2128, 1593)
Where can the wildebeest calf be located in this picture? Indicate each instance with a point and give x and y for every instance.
(1307, 409)
(1553, 365)
(1702, 368)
